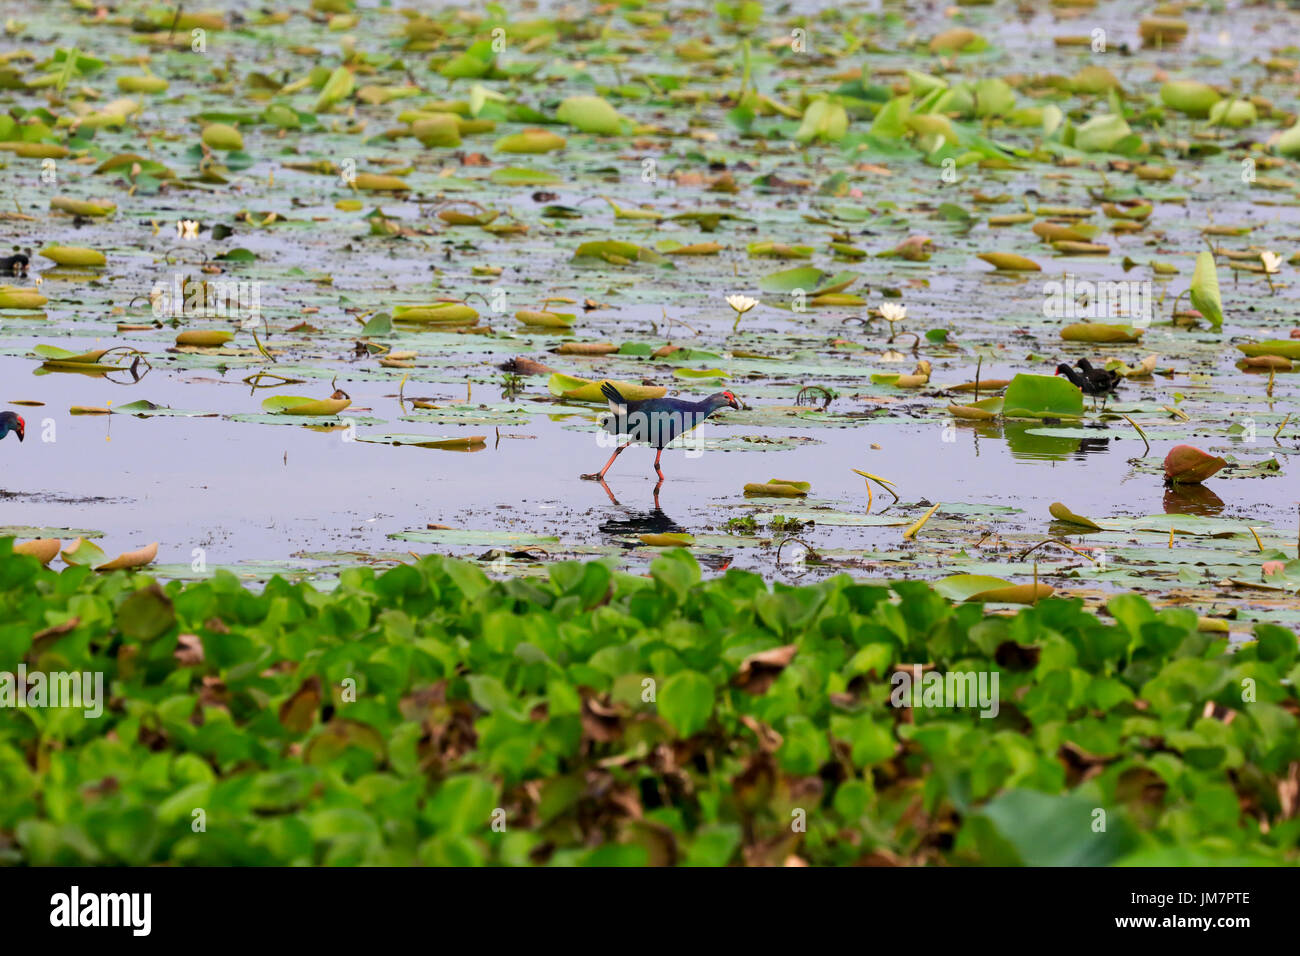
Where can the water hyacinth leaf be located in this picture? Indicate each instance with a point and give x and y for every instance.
(1029, 828)
(685, 700)
(147, 613)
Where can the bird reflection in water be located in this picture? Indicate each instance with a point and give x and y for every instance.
(1088, 446)
(634, 523)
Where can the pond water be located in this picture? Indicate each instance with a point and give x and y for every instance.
(229, 484)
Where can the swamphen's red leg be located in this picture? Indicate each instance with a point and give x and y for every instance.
(658, 470)
(600, 476)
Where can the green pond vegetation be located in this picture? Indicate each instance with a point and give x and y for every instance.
(430, 714)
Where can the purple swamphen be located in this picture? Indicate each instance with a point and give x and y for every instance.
(655, 421)
(9, 422)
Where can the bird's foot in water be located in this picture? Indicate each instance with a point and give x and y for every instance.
(594, 476)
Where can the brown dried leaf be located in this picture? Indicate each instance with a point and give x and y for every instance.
(758, 671)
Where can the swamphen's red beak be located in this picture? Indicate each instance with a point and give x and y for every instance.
(731, 400)
(22, 428)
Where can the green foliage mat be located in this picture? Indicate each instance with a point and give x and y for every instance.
(431, 715)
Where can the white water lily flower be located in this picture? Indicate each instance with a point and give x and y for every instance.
(893, 313)
(1272, 261)
(741, 303)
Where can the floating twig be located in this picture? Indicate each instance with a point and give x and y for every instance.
(1083, 554)
(884, 483)
(827, 395)
(784, 541)
(1141, 433)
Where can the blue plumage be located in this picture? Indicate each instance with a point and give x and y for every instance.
(655, 421)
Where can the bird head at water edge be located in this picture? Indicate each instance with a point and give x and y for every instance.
(727, 399)
(1074, 378)
(9, 422)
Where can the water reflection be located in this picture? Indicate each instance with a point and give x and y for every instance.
(1030, 447)
(1192, 500)
(633, 523)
